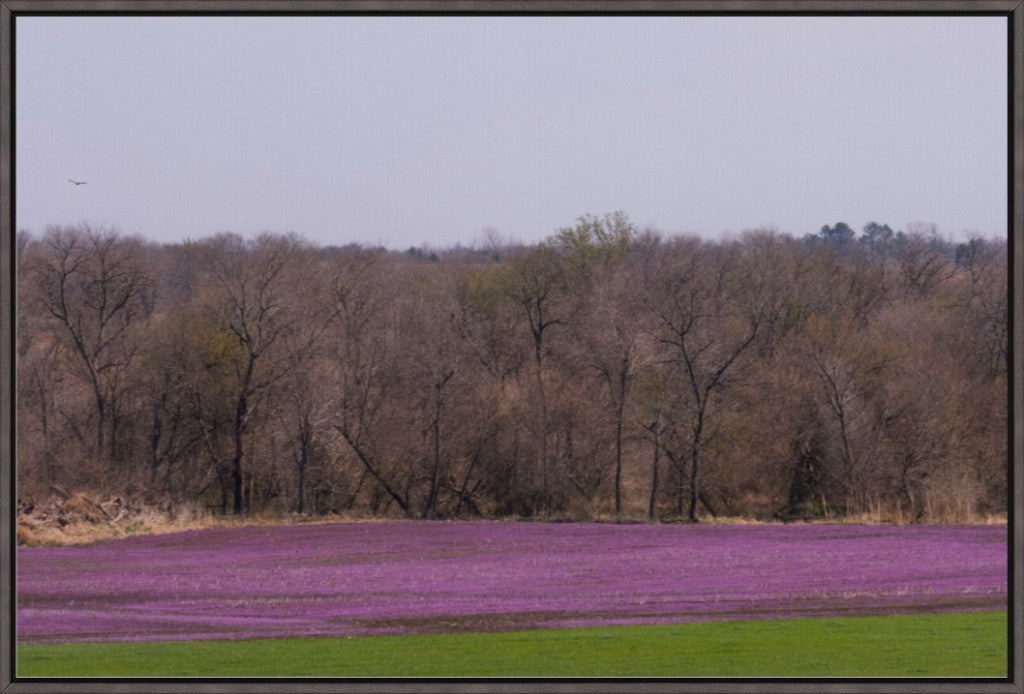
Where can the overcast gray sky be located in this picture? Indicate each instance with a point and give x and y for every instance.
(411, 130)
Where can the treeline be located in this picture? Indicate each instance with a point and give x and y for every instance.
(605, 372)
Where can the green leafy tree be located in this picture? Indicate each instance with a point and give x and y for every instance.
(838, 235)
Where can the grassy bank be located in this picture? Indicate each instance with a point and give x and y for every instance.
(944, 645)
(80, 534)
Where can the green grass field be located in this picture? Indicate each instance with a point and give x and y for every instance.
(945, 645)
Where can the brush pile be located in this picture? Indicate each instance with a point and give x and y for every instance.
(63, 512)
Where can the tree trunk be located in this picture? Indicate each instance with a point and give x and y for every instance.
(698, 432)
(301, 496)
(154, 447)
(241, 409)
(653, 503)
(101, 423)
(371, 468)
(223, 484)
(435, 478)
(618, 463)
(543, 437)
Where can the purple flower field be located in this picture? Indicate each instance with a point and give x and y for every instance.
(419, 577)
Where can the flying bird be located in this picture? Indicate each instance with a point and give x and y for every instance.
(78, 183)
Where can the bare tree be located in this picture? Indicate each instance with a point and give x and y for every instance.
(258, 302)
(922, 260)
(99, 294)
(536, 284)
(844, 375)
(985, 265)
(610, 341)
(711, 304)
(363, 343)
(758, 376)
(595, 251)
(434, 360)
(305, 397)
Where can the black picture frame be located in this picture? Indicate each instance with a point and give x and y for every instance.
(10, 10)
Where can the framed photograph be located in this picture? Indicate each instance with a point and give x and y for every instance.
(580, 346)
